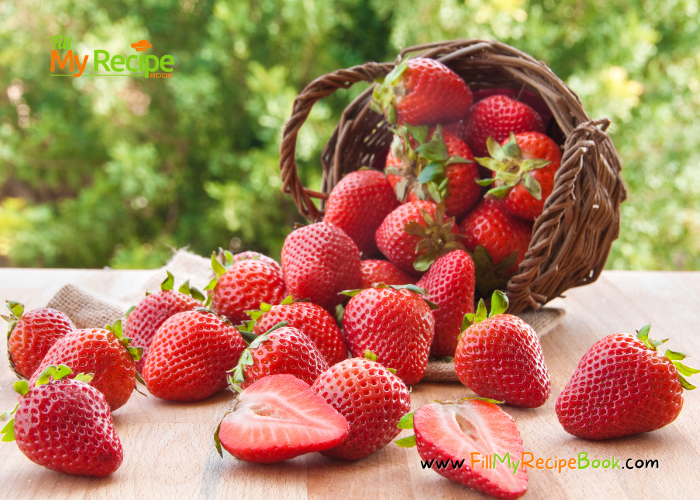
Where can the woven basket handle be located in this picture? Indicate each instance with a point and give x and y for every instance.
(304, 102)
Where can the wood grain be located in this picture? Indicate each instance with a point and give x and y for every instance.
(169, 452)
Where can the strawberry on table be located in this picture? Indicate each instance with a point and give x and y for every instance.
(190, 355)
(497, 241)
(417, 233)
(383, 271)
(243, 286)
(497, 116)
(104, 352)
(312, 320)
(450, 284)
(466, 430)
(319, 261)
(277, 418)
(500, 357)
(623, 386)
(143, 320)
(393, 322)
(371, 398)
(431, 164)
(30, 336)
(422, 91)
(83, 443)
(358, 204)
(281, 349)
(523, 172)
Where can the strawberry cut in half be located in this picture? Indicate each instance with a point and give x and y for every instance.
(277, 418)
(467, 436)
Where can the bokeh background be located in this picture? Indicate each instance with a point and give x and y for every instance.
(117, 171)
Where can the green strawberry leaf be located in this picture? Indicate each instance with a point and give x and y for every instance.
(495, 150)
(499, 303)
(351, 293)
(168, 282)
(433, 191)
(420, 134)
(87, 377)
(424, 262)
(129, 311)
(8, 413)
(287, 300)
(216, 266)
(533, 187)
(457, 159)
(370, 355)
(432, 171)
(406, 421)
(396, 73)
(673, 355)
(212, 284)
(21, 387)
(685, 384)
(16, 308)
(643, 333)
(8, 432)
(197, 294)
(407, 442)
(490, 163)
(185, 288)
(486, 182)
(414, 228)
(217, 442)
(46, 375)
(61, 371)
(499, 192)
(685, 370)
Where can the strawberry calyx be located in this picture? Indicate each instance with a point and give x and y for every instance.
(373, 357)
(388, 91)
(490, 277)
(510, 169)
(116, 329)
(499, 305)
(16, 311)
(436, 239)
(409, 287)
(238, 377)
(255, 315)
(673, 356)
(423, 167)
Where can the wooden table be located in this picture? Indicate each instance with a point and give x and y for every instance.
(169, 451)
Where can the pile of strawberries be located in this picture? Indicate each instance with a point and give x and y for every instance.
(321, 350)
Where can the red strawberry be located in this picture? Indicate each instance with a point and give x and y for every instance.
(422, 91)
(450, 284)
(319, 261)
(371, 398)
(190, 355)
(310, 319)
(415, 234)
(31, 335)
(248, 255)
(358, 205)
(498, 242)
(623, 386)
(245, 285)
(277, 418)
(523, 172)
(434, 165)
(500, 357)
(497, 116)
(103, 352)
(143, 320)
(281, 350)
(65, 425)
(395, 324)
(461, 440)
(383, 271)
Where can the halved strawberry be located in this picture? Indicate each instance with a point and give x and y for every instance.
(277, 418)
(462, 440)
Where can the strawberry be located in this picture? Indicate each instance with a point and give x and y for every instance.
(243, 286)
(500, 357)
(358, 205)
(65, 425)
(466, 436)
(277, 418)
(310, 319)
(415, 234)
(31, 335)
(319, 261)
(498, 243)
(143, 320)
(281, 349)
(190, 355)
(497, 116)
(431, 164)
(523, 172)
(371, 398)
(422, 91)
(383, 271)
(395, 324)
(450, 284)
(623, 386)
(249, 255)
(103, 352)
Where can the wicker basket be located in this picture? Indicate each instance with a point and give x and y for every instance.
(571, 239)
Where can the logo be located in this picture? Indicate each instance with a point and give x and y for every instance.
(146, 65)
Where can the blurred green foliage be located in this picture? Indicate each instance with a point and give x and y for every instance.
(117, 171)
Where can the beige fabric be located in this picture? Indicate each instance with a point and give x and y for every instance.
(88, 309)
(542, 321)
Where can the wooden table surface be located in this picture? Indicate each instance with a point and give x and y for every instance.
(169, 451)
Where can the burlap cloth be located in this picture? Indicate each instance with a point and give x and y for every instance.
(88, 309)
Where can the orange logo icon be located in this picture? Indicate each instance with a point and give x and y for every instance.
(142, 45)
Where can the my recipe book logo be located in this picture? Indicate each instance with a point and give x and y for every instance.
(145, 65)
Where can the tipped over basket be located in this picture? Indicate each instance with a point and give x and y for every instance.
(571, 239)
